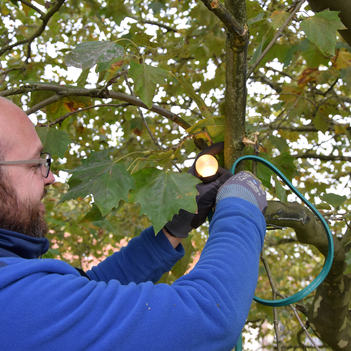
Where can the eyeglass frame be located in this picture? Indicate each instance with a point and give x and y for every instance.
(42, 161)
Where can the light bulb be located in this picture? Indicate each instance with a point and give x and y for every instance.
(206, 165)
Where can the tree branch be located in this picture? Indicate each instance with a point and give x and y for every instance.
(323, 157)
(225, 17)
(93, 93)
(45, 18)
(161, 25)
(68, 114)
(42, 14)
(275, 38)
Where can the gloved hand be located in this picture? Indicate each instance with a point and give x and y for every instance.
(246, 186)
(182, 223)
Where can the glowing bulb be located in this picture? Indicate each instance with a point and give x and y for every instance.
(206, 165)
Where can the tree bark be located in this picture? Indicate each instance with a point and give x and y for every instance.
(235, 95)
(328, 314)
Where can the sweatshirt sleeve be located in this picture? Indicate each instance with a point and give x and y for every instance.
(204, 310)
(145, 258)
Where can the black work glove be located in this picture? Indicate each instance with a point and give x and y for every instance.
(246, 186)
(182, 223)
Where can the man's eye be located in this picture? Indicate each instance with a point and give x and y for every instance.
(38, 165)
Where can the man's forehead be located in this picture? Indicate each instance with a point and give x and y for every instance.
(17, 131)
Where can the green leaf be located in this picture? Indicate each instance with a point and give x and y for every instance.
(285, 163)
(348, 261)
(162, 193)
(103, 178)
(87, 55)
(145, 78)
(279, 143)
(279, 18)
(95, 7)
(263, 172)
(83, 77)
(93, 215)
(204, 110)
(215, 130)
(346, 75)
(320, 122)
(321, 29)
(54, 141)
(334, 199)
(281, 192)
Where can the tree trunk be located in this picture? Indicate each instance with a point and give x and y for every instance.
(235, 96)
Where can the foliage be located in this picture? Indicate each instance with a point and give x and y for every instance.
(151, 80)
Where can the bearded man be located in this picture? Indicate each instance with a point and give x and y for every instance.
(48, 305)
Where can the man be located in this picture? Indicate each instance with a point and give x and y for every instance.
(48, 305)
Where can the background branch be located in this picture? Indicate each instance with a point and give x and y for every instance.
(93, 93)
(275, 38)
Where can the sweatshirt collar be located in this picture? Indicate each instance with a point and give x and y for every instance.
(13, 244)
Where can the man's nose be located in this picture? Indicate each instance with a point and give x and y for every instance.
(50, 179)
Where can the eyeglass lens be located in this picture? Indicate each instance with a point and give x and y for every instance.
(46, 166)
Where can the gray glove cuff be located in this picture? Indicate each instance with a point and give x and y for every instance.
(246, 186)
(236, 190)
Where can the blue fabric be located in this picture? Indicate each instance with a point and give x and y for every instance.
(47, 305)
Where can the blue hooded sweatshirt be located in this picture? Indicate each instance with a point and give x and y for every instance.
(46, 305)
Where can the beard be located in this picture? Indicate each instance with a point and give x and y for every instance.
(23, 217)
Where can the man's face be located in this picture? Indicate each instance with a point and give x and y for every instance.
(22, 186)
(22, 216)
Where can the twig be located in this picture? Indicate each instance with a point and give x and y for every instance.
(161, 25)
(225, 17)
(145, 123)
(303, 327)
(275, 293)
(141, 114)
(276, 37)
(42, 14)
(45, 18)
(68, 114)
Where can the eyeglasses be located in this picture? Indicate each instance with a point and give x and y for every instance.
(44, 163)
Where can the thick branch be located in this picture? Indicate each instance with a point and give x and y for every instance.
(225, 16)
(93, 93)
(235, 93)
(328, 314)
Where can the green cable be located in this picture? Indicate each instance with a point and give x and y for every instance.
(329, 260)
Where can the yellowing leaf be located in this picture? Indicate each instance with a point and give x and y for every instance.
(279, 18)
(342, 60)
(308, 75)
